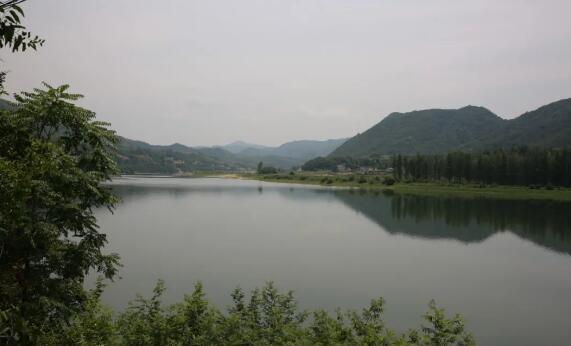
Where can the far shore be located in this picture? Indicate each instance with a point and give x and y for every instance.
(374, 183)
(435, 189)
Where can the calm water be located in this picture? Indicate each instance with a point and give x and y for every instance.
(504, 265)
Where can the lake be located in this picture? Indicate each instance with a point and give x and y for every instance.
(504, 265)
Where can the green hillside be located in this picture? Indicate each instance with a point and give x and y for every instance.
(140, 157)
(469, 128)
(426, 131)
(547, 126)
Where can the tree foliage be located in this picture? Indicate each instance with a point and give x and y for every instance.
(261, 169)
(53, 157)
(516, 166)
(12, 33)
(331, 163)
(266, 317)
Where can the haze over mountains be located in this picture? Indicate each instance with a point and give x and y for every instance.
(239, 146)
(303, 150)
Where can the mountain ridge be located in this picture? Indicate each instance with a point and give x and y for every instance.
(298, 149)
(470, 128)
(238, 146)
(136, 156)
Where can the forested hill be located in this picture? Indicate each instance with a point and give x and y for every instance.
(469, 128)
(547, 126)
(141, 157)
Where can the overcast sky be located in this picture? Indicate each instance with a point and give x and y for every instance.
(269, 71)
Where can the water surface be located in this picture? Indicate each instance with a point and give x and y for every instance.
(504, 265)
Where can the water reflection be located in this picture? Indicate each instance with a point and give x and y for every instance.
(338, 247)
(469, 220)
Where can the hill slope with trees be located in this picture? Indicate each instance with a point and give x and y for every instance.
(140, 157)
(547, 126)
(470, 128)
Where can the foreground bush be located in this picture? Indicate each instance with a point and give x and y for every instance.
(267, 317)
(54, 156)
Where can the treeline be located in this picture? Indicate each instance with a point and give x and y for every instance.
(516, 166)
(332, 163)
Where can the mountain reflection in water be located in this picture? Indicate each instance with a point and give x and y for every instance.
(468, 220)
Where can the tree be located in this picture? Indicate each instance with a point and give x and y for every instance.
(13, 34)
(53, 158)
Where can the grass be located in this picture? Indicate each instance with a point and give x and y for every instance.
(375, 182)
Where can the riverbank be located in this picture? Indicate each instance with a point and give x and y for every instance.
(369, 182)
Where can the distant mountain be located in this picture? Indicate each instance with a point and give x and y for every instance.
(298, 150)
(239, 146)
(469, 128)
(307, 149)
(135, 156)
(141, 157)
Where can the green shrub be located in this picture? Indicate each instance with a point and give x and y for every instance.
(267, 170)
(389, 181)
(266, 317)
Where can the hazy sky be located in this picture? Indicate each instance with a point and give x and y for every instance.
(269, 71)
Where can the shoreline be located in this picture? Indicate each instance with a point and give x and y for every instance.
(424, 189)
(374, 183)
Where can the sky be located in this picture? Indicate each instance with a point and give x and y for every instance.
(209, 72)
